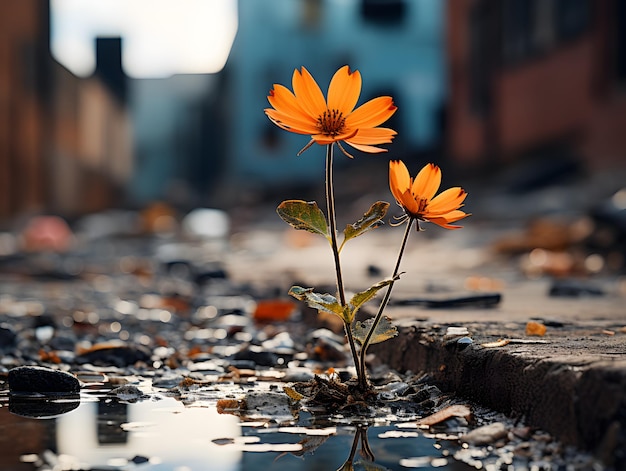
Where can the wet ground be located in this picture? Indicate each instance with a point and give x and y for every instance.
(183, 344)
(180, 327)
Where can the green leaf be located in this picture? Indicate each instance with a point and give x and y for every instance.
(364, 296)
(370, 220)
(385, 330)
(321, 302)
(304, 215)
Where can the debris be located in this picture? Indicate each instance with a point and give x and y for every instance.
(278, 310)
(206, 223)
(535, 328)
(449, 412)
(469, 301)
(293, 394)
(114, 354)
(486, 434)
(128, 393)
(47, 233)
(496, 344)
(456, 332)
(228, 406)
(574, 288)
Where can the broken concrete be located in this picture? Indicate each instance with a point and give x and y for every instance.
(571, 383)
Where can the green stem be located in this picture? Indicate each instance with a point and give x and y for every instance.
(330, 204)
(362, 377)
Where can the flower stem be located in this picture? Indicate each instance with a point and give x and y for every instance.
(332, 224)
(362, 377)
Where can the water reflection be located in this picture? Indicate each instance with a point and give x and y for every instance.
(366, 452)
(38, 408)
(161, 433)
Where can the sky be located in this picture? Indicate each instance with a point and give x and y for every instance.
(161, 38)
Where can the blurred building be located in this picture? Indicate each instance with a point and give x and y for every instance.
(397, 45)
(537, 78)
(65, 143)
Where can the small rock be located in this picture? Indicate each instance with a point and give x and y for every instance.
(129, 393)
(117, 355)
(485, 434)
(268, 403)
(259, 356)
(8, 337)
(206, 223)
(298, 375)
(168, 381)
(36, 379)
(574, 289)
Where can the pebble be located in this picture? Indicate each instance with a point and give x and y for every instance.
(120, 356)
(8, 337)
(486, 434)
(128, 392)
(574, 289)
(37, 379)
(259, 356)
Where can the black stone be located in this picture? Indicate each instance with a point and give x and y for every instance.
(8, 337)
(37, 379)
(117, 356)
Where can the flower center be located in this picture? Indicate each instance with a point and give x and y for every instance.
(331, 122)
(421, 205)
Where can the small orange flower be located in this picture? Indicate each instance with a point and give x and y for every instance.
(417, 197)
(306, 111)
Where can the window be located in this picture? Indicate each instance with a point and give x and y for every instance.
(384, 12)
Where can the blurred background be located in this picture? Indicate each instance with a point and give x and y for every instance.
(136, 104)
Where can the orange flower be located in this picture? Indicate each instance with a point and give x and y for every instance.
(417, 197)
(306, 111)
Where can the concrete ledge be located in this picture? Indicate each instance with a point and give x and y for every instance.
(572, 386)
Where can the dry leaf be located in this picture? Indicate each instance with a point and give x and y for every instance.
(293, 394)
(458, 410)
(228, 406)
(535, 328)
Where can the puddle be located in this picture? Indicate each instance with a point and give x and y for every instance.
(161, 433)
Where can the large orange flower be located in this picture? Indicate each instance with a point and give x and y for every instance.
(417, 197)
(306, 111)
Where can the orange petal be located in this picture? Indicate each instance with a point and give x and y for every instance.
(408, 203)
(454, 216)
(372, 113)
(399, 179)
(283, 100)
(444, 221)
(369, 136)
(427, 181)
(447, 201)
(366, 148)
(290, 123)
(444, 224)
(308, 93)
(344, 90)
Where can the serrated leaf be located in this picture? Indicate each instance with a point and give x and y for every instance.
(304, 215)
(322, 302)
(370, 220)
(364, 296)
(385, 330)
